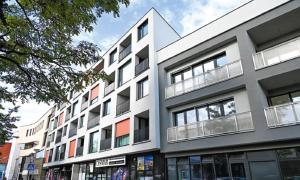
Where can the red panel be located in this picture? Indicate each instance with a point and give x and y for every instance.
(72, 148)
(61, 119)
(95, 92)
(4, 153)
(47, 156)
(122, 128)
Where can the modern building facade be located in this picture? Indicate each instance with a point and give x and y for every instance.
(230, 96)
(4, 157)
(28, 148)
(111, 129)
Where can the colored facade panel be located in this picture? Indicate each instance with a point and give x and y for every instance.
(61, 119)
(122, 128)
(95, 92)
(4, 153)
(72, 148)
(47, 156)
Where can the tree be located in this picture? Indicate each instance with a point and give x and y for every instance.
(38, 57)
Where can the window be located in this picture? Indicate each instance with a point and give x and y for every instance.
(122, 133)
(113, 56)
(285, 98)
(143, 30)
(124, 73)
(76, 109)
(50, 155)
(143, 88)
(107, 107)
(206, 112)
(27, 132)
(94, 138)
(65, 130)
(122, 141)
(81, 121)
(62, 152)
(57, 152)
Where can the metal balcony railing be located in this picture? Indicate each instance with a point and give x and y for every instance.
(283, 115)
(105, 144)
(108, 89)
(58, 139)
(68, 116)
(125, 52)
(236, 123)
(123, 107)
(93, 122)
(277, 54)
(72, 132)
(223, 73)
(84, 105)
(141, 135)
(139, 68)
(62, 155)
(79, 151)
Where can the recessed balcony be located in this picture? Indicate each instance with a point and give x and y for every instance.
(213, 76)
(277, 54)
(283, 115)
(236, 123)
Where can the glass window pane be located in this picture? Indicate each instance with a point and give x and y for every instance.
(171, 161)
(191, 116)
(290, 169)
(280, 99)
(195, 159)
(187, 74)
(214, 111)
(177, 78)
(222, 60)
(145, 87)
(287, 153)
(221, 166)
(208, 171)
(229, 107)
(183, 172)
(202, 113)
(197, 70)
(266, 170)
(238, 171)
(179, 119)
(296, 96)
(209, 66)
(172, 172)
(195, 172)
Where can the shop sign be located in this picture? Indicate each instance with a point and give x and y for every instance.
(117, 161)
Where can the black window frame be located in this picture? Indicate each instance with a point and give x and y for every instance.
(140, 88)
(105, 107)
(141, 30)
(289, 93)
(91, 142)
(120, 75)
(113, 54)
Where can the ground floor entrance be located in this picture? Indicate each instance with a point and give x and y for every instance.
(63, 172)
(273, 164)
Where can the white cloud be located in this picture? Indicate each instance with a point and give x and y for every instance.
(198, 13)
(107, 42)
(168, 15)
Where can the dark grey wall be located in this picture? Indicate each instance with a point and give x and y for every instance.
(257, 84)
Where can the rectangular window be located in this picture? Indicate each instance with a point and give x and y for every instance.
(107, 107)
(76, 109)
(62, 152)
(124, 74)
(122, 141)
(94, 94)
(50, 155)
(143, 30)
(57, 153)
(113, 56)
(122, 133)
(65, 130)
(94, 141)
(143, 88)
(81, 121)
(288, 97)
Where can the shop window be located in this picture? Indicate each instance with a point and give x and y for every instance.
(238, 171)
(145, 167)
(289, 160)
(183, 168)
(221, 166)
(171, 168)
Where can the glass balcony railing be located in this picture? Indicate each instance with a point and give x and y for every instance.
(210, 77)
(125, 52)
(235, 123)
(72, 132)
(277, 54)
(105, 144)
(84, 105)
(93, 122)
(283, 115)
(68, 117)
(58, 139)
(110, 88)
(123, 107)
(141, 135)
(141, 67)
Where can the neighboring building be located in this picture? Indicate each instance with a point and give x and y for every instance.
(4, 156)
(111, 129)
(230, 96)
(28, 148)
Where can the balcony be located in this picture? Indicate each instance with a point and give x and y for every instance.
(220, 74)
(62, 156)
(48, 144)
(277, 54)
(58, 139)
(105, 144)
(123, 107)
(72, 132)
(110, 88)
(84, 105)
(68, 116)
(93, 122)
(283, 115)
(236, 123)
(141, 135)
(79, 151)
(125, 52)
(141, 67)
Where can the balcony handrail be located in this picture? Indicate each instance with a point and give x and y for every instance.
(204, 74)
(122, 107)
(105, 143)
(84, 105)
(277, 121)
(124, 52)
(141, 134)
(200, 124)
(139, 68)
(109, 88)
(72, 132)
(93, 122)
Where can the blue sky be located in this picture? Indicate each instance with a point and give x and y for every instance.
(183, 15)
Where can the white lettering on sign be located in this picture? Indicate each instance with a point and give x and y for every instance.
(117, 161)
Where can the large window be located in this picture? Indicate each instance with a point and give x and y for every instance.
(122, 140)
(81, 121)
(196, 70)
(94, 141)
(205, 112)
(124, 74)
(57, 153)
(143, 30)
(113, 56)
(107, 107)
(285, 98)
(65, 130)
(122, 133)
(143, 88)
(76, 109)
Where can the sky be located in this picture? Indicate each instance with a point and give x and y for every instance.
(184, 16)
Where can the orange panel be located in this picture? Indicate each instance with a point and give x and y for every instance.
(47, 156)
(122, 128)
(4, 153)
(95, 92)
(72, 148)
(61, 119)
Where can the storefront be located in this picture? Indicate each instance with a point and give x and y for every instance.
(142, 166)
(59, 173)
(268, 165)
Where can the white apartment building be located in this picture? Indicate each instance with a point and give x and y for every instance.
(111, 129)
